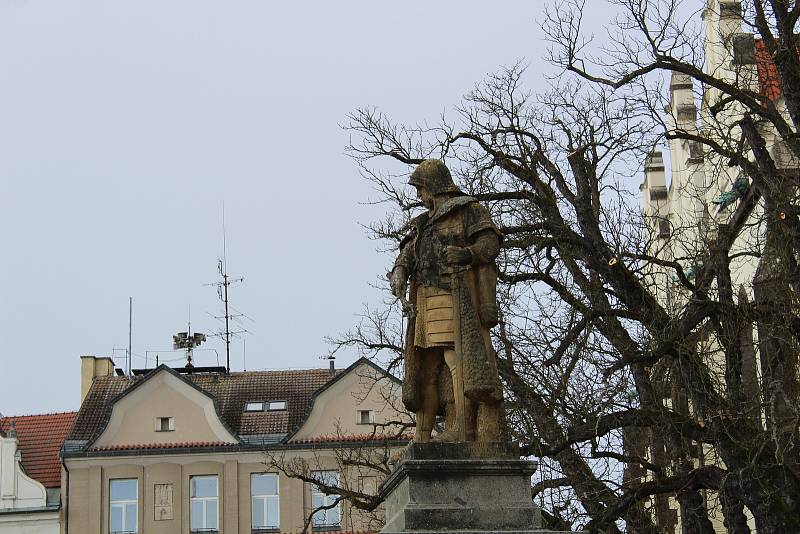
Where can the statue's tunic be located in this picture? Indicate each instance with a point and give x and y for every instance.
(460, 221)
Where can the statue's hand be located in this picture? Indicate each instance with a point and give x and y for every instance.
(457, 255)
(397, 282)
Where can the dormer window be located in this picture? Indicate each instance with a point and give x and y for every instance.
(165, 424)
(277, 405)
(254, 407)
(271, 406)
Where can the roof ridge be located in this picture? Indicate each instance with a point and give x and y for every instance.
(73, 412)
(324, 370)
(285, 369)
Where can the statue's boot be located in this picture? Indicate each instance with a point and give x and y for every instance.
(424, 426)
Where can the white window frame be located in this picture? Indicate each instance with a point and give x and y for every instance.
(205, 501)
(254, 406)
(159, 425)
(266, 498)
(123, 503)
(321, 517)
(370, 417)
(276, 405)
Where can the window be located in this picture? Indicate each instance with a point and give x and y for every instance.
(254, 407)
(165, 424)
(277, 405)
(124, 507)
(332, 516)
(366, 417)
(264, 499)
(203, 502)
(664, 228)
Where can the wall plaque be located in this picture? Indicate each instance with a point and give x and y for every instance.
(163, 502)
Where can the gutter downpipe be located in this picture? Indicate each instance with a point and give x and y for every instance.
(66, 495)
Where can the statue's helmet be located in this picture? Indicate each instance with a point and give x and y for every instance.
(433, 175)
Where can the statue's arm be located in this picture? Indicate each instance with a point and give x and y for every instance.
(485, 247)
(482, 234)
(403, 265)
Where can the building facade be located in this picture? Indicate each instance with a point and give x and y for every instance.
(30, 472)
(688, 197)
(174, 451)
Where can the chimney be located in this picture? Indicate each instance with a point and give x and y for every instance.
(8, 458)
(91, 368)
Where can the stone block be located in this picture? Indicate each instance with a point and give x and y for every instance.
(464, 487)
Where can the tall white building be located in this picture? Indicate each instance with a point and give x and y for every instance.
(689, 193)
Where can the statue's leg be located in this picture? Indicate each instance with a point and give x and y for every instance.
(426, 416)
(446, 406)
(456, 427)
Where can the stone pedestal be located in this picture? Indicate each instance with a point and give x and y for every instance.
(465, 487)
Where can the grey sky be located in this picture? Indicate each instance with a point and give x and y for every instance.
(124, 125)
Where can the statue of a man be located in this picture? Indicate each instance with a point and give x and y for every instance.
(450, 364)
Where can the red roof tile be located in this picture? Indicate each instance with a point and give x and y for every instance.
(40, 439)
(769, 82)
(179, 445)
(355, 438)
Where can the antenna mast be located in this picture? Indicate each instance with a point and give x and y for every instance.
(130, 334)
(222, 293)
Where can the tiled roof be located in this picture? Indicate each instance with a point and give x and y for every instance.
(254, 422)
(40, 438)
(769, 82)
(179, 445)
(359, 438)
(230, 391)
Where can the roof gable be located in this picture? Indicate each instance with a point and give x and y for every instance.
(163, 393)
(230, 393)
(333, 410)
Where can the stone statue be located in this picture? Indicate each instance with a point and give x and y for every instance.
(449, 258)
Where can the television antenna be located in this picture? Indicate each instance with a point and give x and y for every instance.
(223, 285)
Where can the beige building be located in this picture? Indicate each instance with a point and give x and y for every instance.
(180, 451)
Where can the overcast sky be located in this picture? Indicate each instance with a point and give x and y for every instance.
(123, 127)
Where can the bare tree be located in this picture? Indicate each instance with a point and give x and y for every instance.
(646, 373)
(629, 399)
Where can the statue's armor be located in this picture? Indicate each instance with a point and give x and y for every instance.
(434, 236)
(435, 176)
(431, 276)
